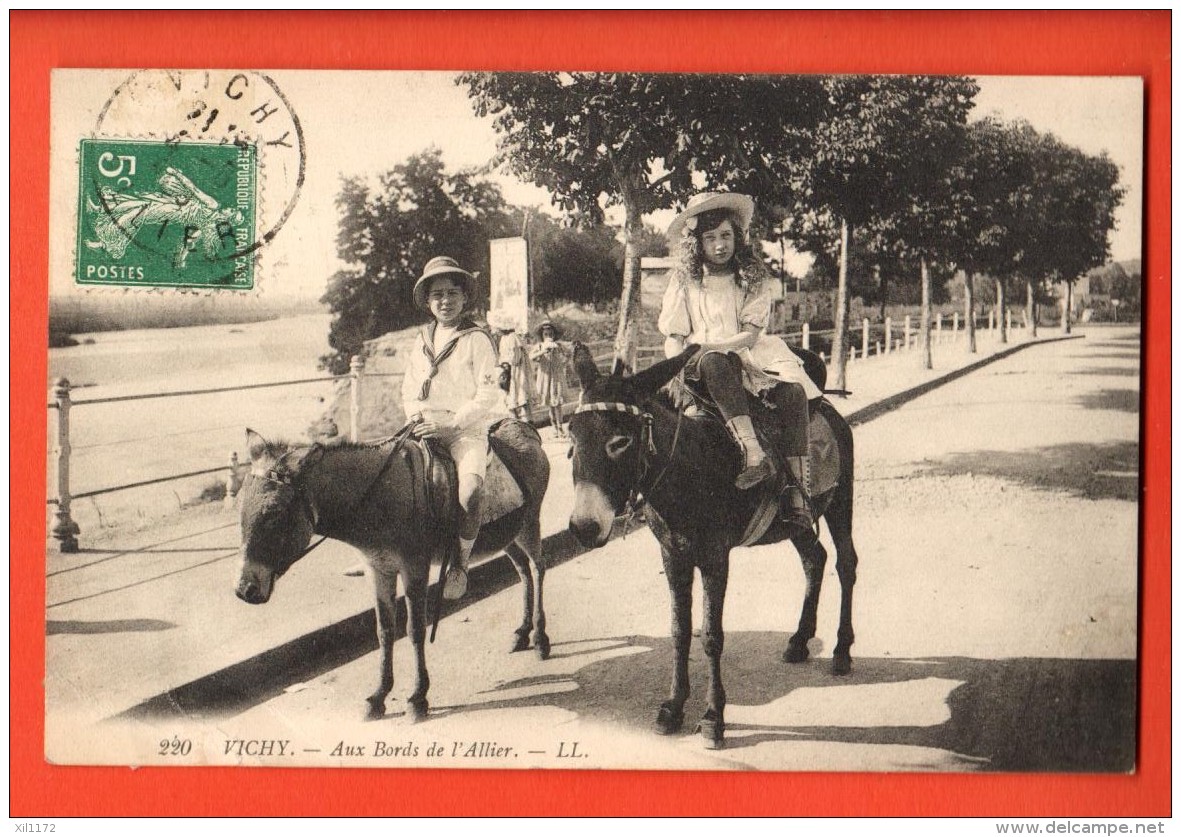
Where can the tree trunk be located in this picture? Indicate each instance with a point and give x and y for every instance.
(1066, 305)
(1000, 310)
(1030, 309)
(840, 314)
(970, 310)
(629, 300)
(925, 315)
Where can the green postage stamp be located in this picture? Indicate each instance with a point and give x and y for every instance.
(167, 214)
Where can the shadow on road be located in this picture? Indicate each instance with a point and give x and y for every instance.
(1093, 471)
(1109, 371)
(113, 626)
(1002, 715)
(1123, 400)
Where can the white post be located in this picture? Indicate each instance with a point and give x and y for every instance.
(64, 528)
(878, 347)
(233, 481)
(356, 370)
(955, 326)
(939, 327)
(852, 353)
(806, 337)
(1008, 320)
(864, 337)
(906, 332)
(889, 334)
(991, 319)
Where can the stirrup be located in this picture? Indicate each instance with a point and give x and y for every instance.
(455, 584)
(752, 475)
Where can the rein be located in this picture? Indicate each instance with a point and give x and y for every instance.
(647, 448)
(273, 476)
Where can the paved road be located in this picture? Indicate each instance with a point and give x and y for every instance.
(995, 615)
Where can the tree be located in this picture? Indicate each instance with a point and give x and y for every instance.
(417, 211)
(881, 145)
(637, 140)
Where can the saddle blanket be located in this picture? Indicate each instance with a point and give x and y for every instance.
(502, 495)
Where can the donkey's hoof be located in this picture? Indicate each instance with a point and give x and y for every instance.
(669, 719)
(797, 652)
(374, 710)
(713, 730)
(520, 642)
(416, 709)
(842, 664)
(541, 644)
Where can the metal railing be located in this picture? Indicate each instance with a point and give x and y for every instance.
(881, 339)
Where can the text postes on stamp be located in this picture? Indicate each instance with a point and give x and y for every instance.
(167, 214)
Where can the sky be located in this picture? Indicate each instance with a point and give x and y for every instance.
(362, 123)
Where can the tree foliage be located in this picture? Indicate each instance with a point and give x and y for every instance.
(638, 140)
(389, 231)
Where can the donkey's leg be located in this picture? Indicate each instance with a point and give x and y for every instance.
(529, 541)
(678, 570)
(715, 571)
(813, 557)
(520, 640)
(842, 535)
(416, 618)
(385, 588)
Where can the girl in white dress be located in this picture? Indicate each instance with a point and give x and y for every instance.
(719, 298)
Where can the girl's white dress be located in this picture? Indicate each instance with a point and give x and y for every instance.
(719, 308)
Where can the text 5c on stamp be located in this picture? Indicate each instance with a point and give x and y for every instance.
(167, 214)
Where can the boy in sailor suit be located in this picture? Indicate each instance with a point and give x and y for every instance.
(451, 388)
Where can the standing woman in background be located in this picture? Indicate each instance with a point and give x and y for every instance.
(551, 358)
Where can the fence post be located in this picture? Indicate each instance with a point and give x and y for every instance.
(805, 337)
(852, 353)
(878, 347)
(906, 333)
(233, 481)
(939, 327)
(955, 326)
(1008, 320)
(991, 320)
(64, 528)
(356, 370)
(889, 334)
(864, 337)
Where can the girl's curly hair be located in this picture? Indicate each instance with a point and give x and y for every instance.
(688, 257)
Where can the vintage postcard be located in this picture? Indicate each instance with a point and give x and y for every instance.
(258, 277)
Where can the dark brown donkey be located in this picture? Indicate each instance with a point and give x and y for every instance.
(630, 441)
(370, 497)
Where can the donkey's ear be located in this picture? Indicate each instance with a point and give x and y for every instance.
(584, 366)
(256, 444)
(618, 367)
(647, 382)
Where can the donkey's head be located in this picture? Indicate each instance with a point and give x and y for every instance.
(608, 430)
(277, 514)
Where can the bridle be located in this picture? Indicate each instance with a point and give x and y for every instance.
(284, 479)
(647, 449)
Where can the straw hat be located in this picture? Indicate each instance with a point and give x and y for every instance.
(442, 266)
(742, 205)
(549, 324)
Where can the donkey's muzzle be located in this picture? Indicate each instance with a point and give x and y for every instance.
(251, 593)
(589, 533)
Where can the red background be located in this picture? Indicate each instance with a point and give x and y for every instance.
(977, 43)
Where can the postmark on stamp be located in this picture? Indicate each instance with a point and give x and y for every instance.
(183, 178)
(167, 214)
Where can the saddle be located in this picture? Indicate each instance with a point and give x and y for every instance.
(436, 483)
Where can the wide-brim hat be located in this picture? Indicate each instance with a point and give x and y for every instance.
(441, 266)
(742, 205)
(548, 324)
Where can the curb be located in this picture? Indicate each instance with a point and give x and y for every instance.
(890, 403)
(241, 685)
